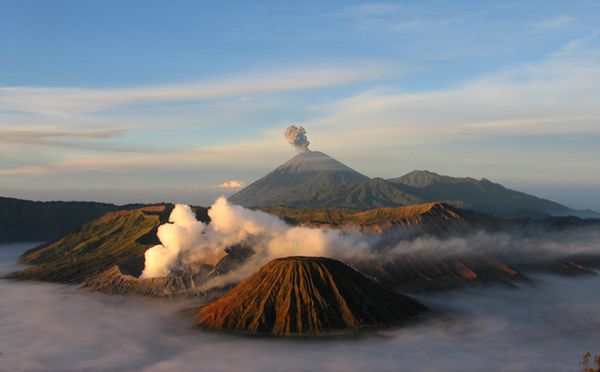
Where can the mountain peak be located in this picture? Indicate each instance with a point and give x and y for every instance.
(424, 178)
(315, 161)
(306, 296)
(422, 172)
(312, 178)
(302, 175)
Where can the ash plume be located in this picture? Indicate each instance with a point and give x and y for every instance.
(296, 136)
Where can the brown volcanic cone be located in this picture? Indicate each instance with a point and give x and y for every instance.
(306, 296)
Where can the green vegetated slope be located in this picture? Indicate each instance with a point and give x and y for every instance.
(115, 237)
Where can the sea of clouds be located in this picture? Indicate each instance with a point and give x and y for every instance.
(548, 326)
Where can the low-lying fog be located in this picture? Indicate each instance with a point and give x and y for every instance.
(54, 327)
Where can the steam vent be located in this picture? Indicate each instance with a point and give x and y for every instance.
(304, 296)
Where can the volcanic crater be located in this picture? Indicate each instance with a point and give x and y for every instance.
(306, 296)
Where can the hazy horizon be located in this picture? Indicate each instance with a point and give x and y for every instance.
(574, 197)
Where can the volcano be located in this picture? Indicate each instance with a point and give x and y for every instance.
(305, 174)
(303, 296)
(314, 179)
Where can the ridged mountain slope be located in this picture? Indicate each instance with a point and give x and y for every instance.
(306, 296)
(107, 254)
(314, 179)
(428, 218)
(305, 174)
(479, 195)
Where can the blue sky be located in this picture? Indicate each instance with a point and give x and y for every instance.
(131, 101)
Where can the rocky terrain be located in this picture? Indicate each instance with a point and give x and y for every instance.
(306, 296)
(429, 218)
(118, 281)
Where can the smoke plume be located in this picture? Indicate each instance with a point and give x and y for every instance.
(179, 235)
(186, 241)
(296, 136)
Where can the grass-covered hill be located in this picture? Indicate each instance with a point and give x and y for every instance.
(117, 237)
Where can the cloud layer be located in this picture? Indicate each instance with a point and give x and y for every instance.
(74, 100)
(544, 327)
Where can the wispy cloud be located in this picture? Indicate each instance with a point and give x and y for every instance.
(393, 16)
(72, 100)
(9, 135)
(532, 122)
(554, 23)
(84, 140)
(23, 171)
(232, 185)
(554, 96)
(210, 158)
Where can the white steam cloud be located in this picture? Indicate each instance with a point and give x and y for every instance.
(179, 235)
(186, 241)
(296, 136)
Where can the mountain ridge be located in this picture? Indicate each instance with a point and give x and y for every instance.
(107, 254)
(314, 179)
(27, 220)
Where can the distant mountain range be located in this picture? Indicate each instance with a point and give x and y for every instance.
(314, 179)
(309, 179)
